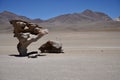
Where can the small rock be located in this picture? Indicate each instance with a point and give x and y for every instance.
(33, 56)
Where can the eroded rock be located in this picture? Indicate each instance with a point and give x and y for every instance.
(26, 33)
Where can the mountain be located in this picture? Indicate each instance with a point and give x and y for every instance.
(10, 16)
(87, 16)
(86, 20)
(38, 20)
(117, 19)
(6, 16)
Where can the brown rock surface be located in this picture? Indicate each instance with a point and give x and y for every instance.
(51, 47)
(26, 33)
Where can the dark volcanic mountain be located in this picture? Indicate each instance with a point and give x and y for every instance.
(87, 20)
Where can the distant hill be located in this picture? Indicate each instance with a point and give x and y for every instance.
(87, 20)
(86, 16)
(6, 16)
(117, 19)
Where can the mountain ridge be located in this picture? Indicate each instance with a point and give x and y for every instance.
(80, 21)
(117, 19)
(86, 15)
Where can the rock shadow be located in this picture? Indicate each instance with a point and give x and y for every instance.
(28, 54)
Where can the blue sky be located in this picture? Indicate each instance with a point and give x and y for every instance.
(46, 9)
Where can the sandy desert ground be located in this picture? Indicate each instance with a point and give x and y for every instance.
(88, 56)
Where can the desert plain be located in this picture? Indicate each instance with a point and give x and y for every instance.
(89, 55)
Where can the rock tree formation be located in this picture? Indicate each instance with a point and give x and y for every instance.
(26, 33)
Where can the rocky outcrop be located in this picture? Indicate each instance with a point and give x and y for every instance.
(26, 33)
(51, 47)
